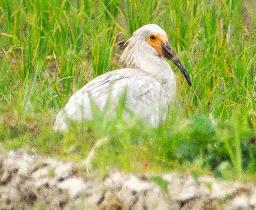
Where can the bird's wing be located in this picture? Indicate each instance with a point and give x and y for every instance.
(142, 93)
(145, 98)
(97, 90)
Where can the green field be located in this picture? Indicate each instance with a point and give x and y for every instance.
(50, 49)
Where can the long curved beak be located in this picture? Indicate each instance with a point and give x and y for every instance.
(171, 55)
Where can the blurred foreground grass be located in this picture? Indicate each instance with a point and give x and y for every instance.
(49, 49)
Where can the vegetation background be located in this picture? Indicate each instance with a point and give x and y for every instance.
(50, 49)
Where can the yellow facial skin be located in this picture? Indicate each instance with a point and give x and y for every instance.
(156, 40)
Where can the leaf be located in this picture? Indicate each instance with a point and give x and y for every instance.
(163, 184)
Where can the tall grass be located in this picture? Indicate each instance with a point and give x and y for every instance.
(49, 49)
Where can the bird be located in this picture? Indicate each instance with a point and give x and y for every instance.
(148, 83)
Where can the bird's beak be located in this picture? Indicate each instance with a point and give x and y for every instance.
(171, 55)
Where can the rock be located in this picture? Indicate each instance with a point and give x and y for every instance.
(111, 203)
(74, 186)
(252, 200)
(28, 180)
(180, 188)
(239, 203)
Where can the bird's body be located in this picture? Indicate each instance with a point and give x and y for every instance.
(148, 88)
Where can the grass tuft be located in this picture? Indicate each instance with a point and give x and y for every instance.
(50, 49)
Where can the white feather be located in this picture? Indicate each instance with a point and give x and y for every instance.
(150, 86)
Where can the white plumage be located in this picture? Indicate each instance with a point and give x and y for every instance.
(149, 87)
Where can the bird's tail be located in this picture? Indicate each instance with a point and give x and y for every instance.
(60, 122)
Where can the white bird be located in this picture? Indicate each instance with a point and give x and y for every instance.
(149, 86)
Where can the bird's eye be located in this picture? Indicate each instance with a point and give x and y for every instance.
(152, 37)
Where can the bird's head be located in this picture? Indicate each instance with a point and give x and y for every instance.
(151, 40)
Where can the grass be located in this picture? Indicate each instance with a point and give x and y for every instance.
(50, 49)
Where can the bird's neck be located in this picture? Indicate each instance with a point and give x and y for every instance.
(158, 68)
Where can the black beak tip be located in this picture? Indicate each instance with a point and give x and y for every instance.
(189, 83)
(170, 54)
